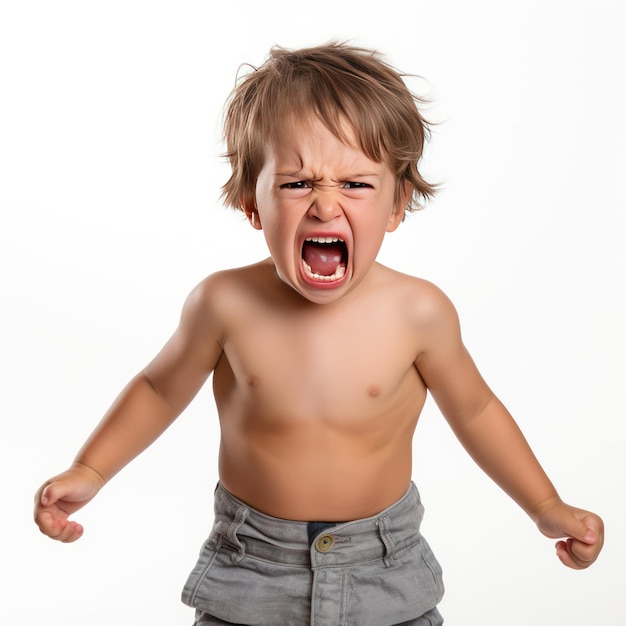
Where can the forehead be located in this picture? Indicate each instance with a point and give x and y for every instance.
(309, 142)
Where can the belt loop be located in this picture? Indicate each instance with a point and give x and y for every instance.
(231, 533)
(387, 539)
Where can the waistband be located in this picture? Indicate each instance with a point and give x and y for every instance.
(246, 531)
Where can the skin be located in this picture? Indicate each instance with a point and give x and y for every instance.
(318, 385)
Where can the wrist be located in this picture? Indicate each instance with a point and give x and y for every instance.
(535, 511)
(88, 469)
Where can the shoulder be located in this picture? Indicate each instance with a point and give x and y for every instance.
(423, 301)
(224, 292)
(427, 312)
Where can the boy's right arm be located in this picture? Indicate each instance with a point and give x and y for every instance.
(144, 409)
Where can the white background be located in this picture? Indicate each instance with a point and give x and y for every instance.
(110, 172)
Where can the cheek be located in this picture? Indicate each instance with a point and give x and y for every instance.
(369, 235)
(280, 217)
(279, 235)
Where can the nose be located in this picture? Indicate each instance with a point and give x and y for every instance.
(325, 203)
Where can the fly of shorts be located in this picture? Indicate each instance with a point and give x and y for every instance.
(262, 571)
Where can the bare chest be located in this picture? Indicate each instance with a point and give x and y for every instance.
(339, 369)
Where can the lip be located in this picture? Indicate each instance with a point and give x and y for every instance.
(326, 284)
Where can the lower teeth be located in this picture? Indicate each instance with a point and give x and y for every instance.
(339, 272)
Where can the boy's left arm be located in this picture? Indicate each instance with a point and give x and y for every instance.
(490, 435)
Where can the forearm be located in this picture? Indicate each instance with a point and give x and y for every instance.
(495, 442)
(136, 419)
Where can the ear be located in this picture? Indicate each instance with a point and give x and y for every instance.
(249, 208)
(399, 208)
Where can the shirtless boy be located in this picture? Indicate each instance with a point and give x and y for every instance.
(321, 361)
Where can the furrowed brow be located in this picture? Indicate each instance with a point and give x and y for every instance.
(294, 174)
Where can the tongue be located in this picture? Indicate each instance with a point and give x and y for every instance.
(323, 259)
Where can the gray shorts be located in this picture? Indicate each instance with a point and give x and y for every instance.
(258, 570)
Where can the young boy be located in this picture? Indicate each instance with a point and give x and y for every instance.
(321, 361)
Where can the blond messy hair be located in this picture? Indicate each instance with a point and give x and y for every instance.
(336, 83)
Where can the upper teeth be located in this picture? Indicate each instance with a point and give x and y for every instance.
(324, 239)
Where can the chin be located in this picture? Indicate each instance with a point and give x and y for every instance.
(323, 292)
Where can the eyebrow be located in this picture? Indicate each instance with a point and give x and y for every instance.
(298, 174)
(368, 175)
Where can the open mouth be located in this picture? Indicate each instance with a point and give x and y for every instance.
(324, 259)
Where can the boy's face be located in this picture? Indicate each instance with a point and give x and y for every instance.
(324, 207)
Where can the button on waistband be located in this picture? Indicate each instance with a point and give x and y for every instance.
(325, 543)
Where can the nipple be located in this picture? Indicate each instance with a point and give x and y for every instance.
(373, 391)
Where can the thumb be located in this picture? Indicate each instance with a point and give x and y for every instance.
(61, 488)
(584, 527)
(590, 537)
(579, 530)
(566, 521)
(52, 492)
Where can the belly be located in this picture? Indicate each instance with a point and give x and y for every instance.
(316, 474)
